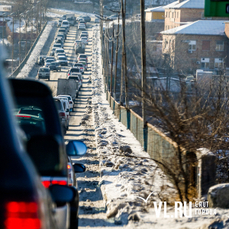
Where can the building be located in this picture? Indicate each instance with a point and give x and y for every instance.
(156, 13)
(5, 10)
(183, 11)
(197, 45)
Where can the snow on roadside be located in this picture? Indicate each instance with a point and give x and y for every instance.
(36, 51)
(125, 180)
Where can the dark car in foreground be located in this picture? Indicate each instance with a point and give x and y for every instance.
(50, 158)
(24, 202)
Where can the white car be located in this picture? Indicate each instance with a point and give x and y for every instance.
(65, 23)
(59, 51)
(84, 40)
(82, 26)
(70, 101)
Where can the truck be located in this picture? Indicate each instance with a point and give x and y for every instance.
(67, 87)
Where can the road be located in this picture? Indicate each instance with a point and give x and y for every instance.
(92, 211)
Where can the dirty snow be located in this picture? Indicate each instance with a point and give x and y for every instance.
(126, 179)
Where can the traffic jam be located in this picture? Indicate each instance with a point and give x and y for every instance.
(40, 190)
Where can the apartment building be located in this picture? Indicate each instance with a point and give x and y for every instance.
(200, 44)
(182, 11)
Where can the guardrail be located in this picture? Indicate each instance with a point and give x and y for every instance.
(160, 147)
(22, 64)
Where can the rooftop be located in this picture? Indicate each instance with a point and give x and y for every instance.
(200, 27)
(156, 9)
(192, 4)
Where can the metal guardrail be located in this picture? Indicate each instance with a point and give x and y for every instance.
(22, 64)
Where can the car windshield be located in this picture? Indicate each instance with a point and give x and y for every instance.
(44, 70)
(62, 58)
(75, 70)
(74, 78)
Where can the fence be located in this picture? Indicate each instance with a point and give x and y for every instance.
(18, 69)
(160, 147)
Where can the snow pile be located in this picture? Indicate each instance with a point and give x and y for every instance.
(127, 171)
(36, 51)
(131, 182)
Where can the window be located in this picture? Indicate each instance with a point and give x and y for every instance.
(218, 62)
(219, 46)
(205, 63)
(192, 46)
(205, 45)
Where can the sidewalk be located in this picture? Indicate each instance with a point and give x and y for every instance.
(131, 183)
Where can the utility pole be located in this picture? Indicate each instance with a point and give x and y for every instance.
(12, 64)
(112, 47)
(116, 59)
(123, 72)
(143, 68)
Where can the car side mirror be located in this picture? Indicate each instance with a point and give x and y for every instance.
(62, 194)
(67, 110)
(79, 168)
(76, 148)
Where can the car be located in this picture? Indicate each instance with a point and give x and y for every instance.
(63, 115)
(97, 20)
(59, 22)
(61, 36)
(55, 66)
(48, 151)
(84, 63)
(66, 107)
(50, 57)
(63, 60)
(65, 23)
(80, 66)
(73, 70)
(80, 19)
(82, 26)
(59, 41)
(48, 62)
(44, 73)
(30, 110)
(57, 45)
(84, 56)
(63, 30)
(84, 40)
(25, 203)
(86, 18)
(52, 51)
(70, 101)
(84, 33)
(59, 51)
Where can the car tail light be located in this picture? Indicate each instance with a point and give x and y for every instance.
(22, 215)
(70, 102)
(47, 183)
(62, 114)
(23, 116)
(69, 166)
